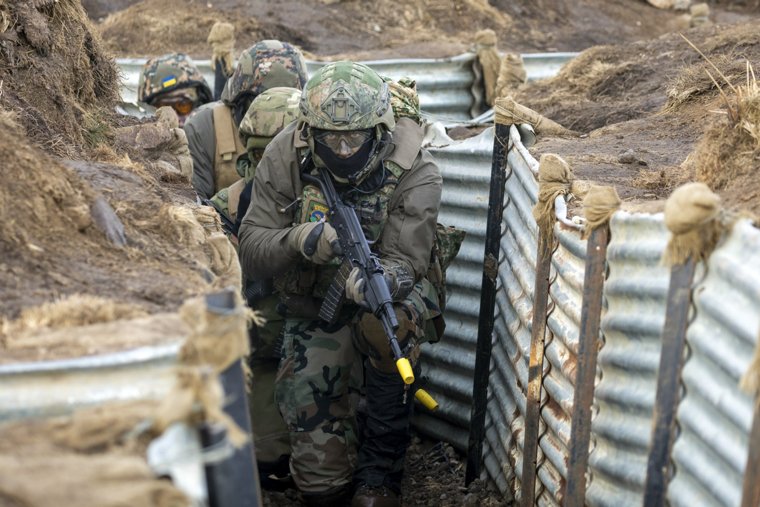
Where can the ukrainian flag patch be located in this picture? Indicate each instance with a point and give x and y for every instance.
(169, 81)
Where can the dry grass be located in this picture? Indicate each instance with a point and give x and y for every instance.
(730, 150)
(73, 311)
(695, 81)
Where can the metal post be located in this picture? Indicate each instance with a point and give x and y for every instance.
(487, 303)
(585, 375)
(233, 482)
(751, 489)
(668, 382)
(536, 367)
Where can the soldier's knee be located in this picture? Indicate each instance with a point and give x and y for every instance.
(374, 342)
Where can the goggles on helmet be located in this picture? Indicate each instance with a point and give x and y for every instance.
(182, 105)
(334, 138)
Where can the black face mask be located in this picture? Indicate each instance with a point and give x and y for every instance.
(345, 167)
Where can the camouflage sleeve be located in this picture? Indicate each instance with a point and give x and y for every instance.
(199, 129)
(408, 236)
(264, 230)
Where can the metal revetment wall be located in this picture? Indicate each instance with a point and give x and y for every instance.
(444, 84)
(55, 387)
(714, 417)
(449, 364)
(635, 292)
(511, 348)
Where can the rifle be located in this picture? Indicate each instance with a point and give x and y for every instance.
(353, 243)
(227, 226)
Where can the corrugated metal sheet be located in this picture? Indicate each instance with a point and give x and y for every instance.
(48, 388)
(444, 84)
(448, 365)
(714, 416)
(635, 292)
(511, 352)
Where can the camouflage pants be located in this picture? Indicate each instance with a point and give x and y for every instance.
(318, 382)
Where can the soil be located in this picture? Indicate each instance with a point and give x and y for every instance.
(642, 109)
(433, 477)
(86, 213)
(362, 29)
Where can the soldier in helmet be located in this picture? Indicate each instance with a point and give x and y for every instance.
(347, 127)
(267, 115)
(173, 80)
(212, 131)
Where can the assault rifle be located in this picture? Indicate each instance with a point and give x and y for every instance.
(227, 226)
(353, 243)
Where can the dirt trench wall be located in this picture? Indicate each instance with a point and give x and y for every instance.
(57, 78)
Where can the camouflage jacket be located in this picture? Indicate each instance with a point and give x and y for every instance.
(406, 239)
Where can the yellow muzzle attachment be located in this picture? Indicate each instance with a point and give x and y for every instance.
(405, 369)
(427, 400)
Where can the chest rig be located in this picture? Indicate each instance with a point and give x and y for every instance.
(371, 201)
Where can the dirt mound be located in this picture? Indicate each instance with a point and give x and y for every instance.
(122, 226)
(56, 76)
(143, 29)
(55, 243)
(361, 29)
(644, 107)
(728, 156)
(320, 29)
(612, 84)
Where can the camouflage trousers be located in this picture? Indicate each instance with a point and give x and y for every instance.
(320, 378)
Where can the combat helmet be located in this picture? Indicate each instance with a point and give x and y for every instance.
(171, 72)
(346, 96)
(268, 114)
(266, 64)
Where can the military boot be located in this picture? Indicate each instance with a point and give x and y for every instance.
(368, 496)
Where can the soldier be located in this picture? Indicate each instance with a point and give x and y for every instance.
(212, 131)
(347, 126)
(268, 114)
(173, 80)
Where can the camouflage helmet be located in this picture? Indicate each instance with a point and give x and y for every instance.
(268, 114)
(346, 96)
(171, 72)
(265, 65)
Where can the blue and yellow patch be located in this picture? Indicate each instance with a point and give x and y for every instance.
(169, 81)
(317, 212)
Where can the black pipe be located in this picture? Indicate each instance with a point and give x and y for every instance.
(487, 303)
(233, 482)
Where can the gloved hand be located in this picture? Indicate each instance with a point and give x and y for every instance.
(355, 286)
(317, 241)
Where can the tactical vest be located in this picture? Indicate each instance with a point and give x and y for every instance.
(228, 148)
(372, 210)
